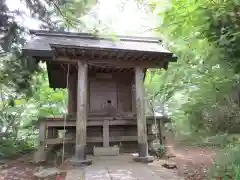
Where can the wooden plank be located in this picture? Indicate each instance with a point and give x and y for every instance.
(60, 123)
(140, 110)
(81, 122)
(97, 139)
(100, 117)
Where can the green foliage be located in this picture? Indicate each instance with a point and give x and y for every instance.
(25, 95)
(205, 72)
(161, 151)
(205, 37)
(12, 147)
(17, 70)
(227, 164)
(157, 150)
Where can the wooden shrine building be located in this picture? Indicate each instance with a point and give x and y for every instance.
(105, 81)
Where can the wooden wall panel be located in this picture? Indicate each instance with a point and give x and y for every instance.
(100, 92)
(124, 96)
(117, 88)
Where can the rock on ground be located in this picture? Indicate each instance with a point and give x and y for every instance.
(43, 173)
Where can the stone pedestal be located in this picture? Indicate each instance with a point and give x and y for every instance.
(79, 163)
(146, 159)
(106, 151)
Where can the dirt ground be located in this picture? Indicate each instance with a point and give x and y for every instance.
(23, 169)
(191, 164)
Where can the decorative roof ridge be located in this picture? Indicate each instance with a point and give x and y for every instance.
(94, 37)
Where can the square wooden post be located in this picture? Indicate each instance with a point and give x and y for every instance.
(81, 122)
(141, 118)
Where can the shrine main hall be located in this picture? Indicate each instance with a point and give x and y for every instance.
(106, 97)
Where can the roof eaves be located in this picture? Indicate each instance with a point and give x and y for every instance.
(91, 36)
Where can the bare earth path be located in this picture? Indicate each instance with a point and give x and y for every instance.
(121, 167)
(192, 162)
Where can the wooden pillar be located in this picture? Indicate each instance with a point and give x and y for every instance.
(141, 118)
(105, 133)
(81, 122)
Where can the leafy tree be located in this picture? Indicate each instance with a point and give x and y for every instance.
(24, 92)
(52, 15)
(206, 67)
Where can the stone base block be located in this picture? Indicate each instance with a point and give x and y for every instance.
(106, 151)
(80, 163)
(147, 159)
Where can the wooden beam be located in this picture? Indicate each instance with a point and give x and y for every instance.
(99, 139)
(140, 110)
(113, 62)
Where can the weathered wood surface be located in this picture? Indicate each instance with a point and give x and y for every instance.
(113, 62)
(81, 122)
(140, 109)
(121, 168)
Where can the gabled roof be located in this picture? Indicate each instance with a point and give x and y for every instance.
(103, 50)
(45, 39)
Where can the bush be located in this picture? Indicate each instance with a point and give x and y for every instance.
(226, 164)
(158, 151)
(12, 147)
(161, 151)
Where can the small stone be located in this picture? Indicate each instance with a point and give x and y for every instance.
(4, 166)
(170, 155)
(43, 173)
(170, 165)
